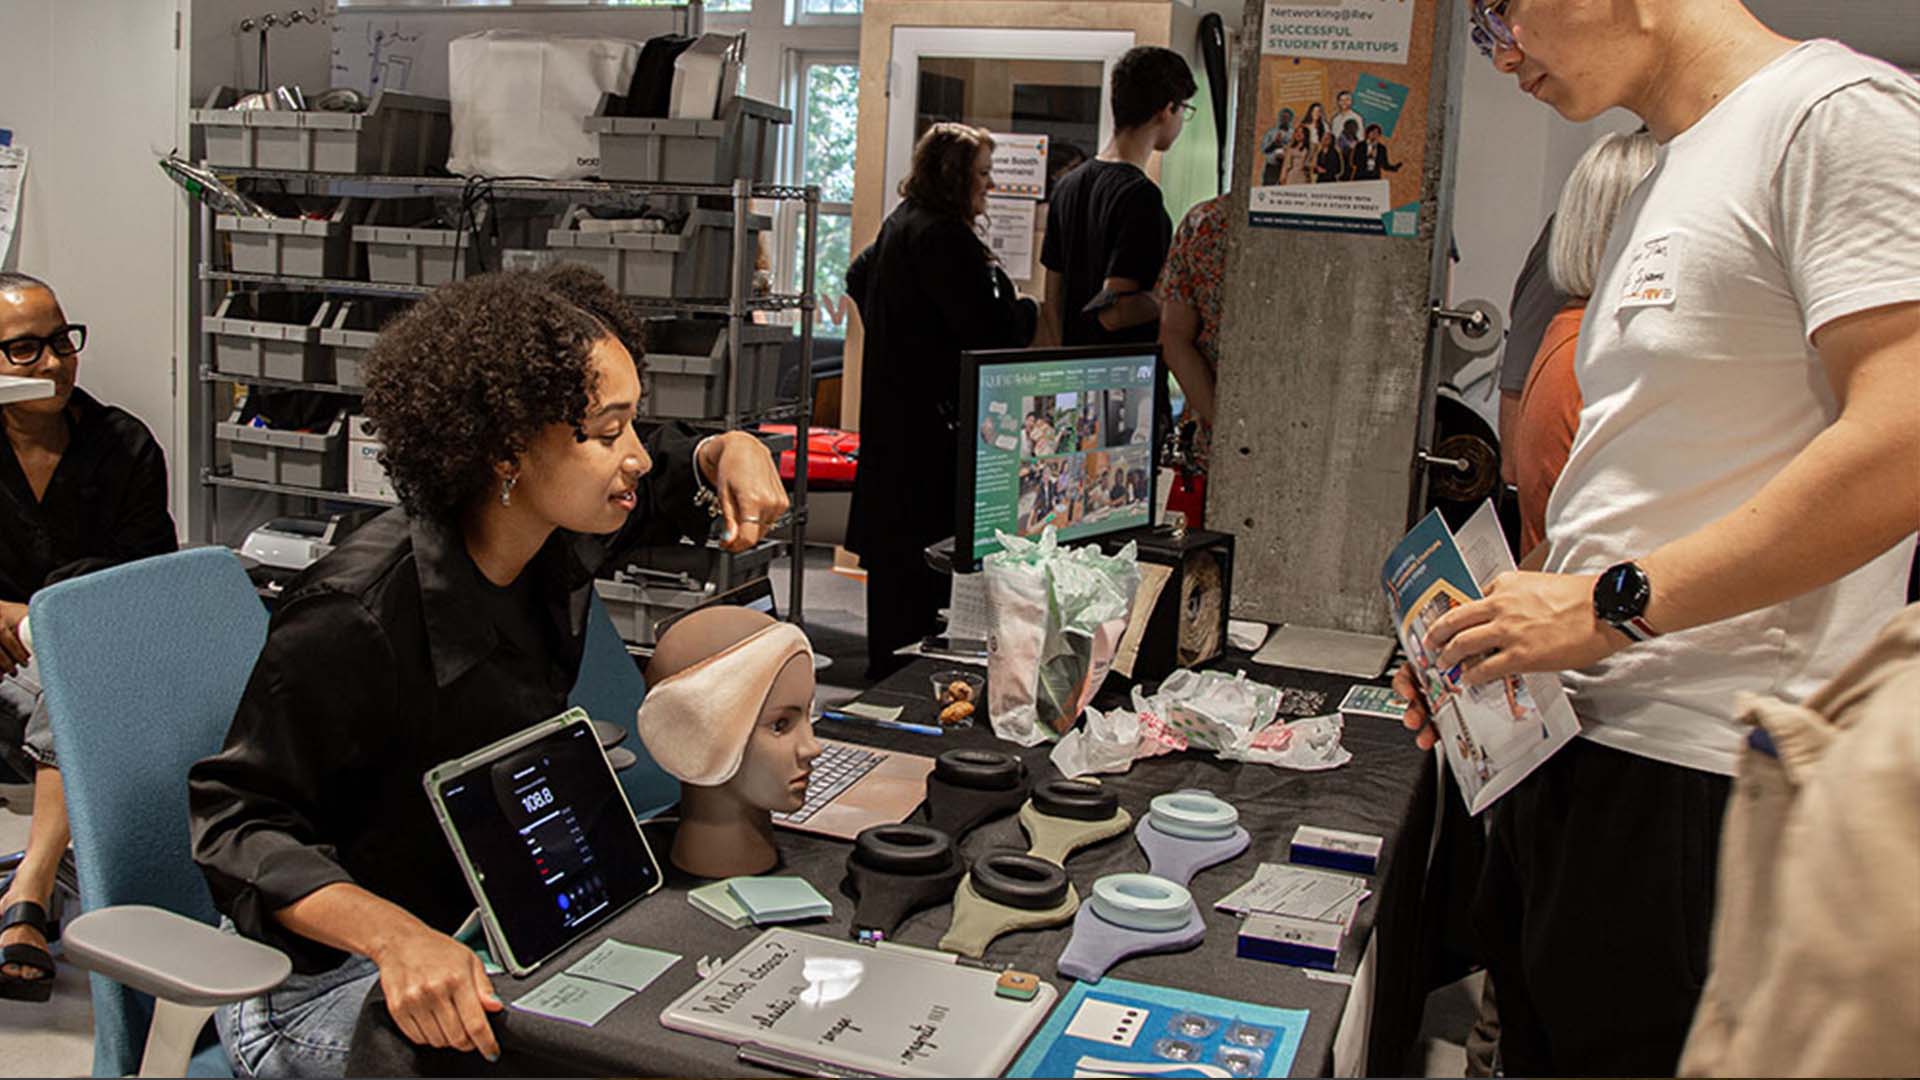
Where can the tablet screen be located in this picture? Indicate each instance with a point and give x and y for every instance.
(550, 839)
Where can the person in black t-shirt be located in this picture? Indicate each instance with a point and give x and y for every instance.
(83, 486)
(1107, 226)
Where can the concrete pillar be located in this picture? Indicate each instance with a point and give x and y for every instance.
(1325, 369)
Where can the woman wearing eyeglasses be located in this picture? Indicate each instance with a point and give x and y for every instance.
(83, 485)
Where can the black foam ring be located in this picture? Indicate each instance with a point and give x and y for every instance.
(957, 810)
(884, 899)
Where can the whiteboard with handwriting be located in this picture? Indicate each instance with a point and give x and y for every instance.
(891, 1012)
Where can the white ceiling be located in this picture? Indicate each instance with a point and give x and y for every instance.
(1889, 29)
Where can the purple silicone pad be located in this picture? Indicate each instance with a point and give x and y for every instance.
(1098, 944)
(1177, 859)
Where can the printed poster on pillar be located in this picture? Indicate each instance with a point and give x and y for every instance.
(1341, 127)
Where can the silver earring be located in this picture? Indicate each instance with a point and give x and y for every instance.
(506, 489)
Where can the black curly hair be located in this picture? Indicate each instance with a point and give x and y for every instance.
(465, 378)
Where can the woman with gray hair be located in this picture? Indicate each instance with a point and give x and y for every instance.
(1550, 405)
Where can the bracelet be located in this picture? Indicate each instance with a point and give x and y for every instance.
(704, 495)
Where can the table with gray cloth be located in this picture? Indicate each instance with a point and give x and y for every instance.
(1387, 789)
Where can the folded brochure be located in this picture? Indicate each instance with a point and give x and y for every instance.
(1496, 733)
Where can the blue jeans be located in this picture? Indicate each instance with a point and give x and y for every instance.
(304, 1027)
(26, 732)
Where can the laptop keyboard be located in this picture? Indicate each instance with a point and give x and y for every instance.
(838, 768)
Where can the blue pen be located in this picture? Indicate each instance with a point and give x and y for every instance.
(897, 725)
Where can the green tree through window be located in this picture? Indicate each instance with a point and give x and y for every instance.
(832, 94)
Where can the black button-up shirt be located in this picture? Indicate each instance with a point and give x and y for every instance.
(105, 504)
(390, 656)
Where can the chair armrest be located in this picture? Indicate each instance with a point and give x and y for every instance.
(172, 957)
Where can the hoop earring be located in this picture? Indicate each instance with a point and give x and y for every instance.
(506, 489)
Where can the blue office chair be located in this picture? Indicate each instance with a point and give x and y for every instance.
(609, 687)
(143, 666)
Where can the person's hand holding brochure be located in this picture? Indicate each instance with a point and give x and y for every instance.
(1493, 733)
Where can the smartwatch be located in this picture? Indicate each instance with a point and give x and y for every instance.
(1620, 599)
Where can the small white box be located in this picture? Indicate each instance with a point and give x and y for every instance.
(1282, 939)
(1356, 853)
(365, 475)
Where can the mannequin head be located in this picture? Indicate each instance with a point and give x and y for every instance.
(728, 712)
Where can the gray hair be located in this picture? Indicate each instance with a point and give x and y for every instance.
(1606, 174)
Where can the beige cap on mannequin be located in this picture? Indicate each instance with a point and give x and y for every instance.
(729, 711)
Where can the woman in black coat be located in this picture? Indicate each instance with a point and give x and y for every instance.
(927, 289)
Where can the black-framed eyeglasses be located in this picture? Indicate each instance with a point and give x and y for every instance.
(25, 350)
(1188, 110)
(1490, 29)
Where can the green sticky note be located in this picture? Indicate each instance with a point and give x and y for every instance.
(884, 713)
(577, 1001)
(622, 964)
(779, 899)
(716, 900)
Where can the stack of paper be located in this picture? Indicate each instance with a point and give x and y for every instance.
(779, 899)
(717, 901)
(1295, 915)
(1298, 892)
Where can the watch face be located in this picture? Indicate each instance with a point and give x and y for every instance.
(1622, 593)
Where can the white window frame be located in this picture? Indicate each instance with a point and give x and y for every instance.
(798, 15)
(913, 43)
(791, 216)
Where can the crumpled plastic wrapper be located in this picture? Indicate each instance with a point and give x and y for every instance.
(1230, 715)
(1103, 743)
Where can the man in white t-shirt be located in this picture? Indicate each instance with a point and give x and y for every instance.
(1342, 113)
(1737, 513)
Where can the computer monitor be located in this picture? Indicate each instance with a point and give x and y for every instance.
(1066, 437)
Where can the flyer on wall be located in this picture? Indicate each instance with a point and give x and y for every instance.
(1342, 121)
(1495, 733)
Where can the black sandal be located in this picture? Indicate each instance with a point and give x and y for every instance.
(20, 988)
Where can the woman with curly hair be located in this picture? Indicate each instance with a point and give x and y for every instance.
(506, 404)
(927, 289)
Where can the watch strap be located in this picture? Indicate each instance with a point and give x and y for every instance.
(1637, 628)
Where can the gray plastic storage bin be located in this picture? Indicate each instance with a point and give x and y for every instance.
(417, 256)
(275, 335)
(398, 135)
(744, 143)
(306, 459)
(686, 376)
(349, 335)
(636, 606)
(691, 265)
(305, 247)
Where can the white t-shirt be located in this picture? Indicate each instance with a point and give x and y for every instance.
(1794, 202)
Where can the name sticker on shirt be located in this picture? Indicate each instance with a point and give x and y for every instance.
(1651, 270)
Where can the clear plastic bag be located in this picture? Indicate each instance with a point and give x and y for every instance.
(1058, 616)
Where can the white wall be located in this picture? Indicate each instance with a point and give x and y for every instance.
(1514, 155)
(88, 86)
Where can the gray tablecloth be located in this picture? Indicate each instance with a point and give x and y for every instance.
(1387, 790)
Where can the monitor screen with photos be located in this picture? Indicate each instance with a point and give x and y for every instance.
(1060, 437)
